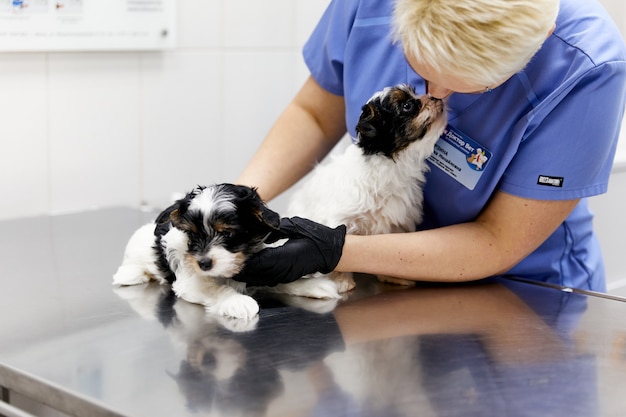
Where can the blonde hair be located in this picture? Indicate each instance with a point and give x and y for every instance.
(483, 42)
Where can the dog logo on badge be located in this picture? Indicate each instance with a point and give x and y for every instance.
(477, 160)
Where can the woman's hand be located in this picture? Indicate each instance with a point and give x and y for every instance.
(311, 247)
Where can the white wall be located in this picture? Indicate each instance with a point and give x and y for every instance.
(609, 208)
(82, 130)
(610, 225)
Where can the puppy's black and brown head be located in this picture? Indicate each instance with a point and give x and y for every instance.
(397, 117)
(223, 224)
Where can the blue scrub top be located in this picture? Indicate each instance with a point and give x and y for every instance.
(549, 132)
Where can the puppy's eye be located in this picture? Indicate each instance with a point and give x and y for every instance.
(408, 106)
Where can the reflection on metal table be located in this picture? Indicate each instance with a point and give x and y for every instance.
(499, 347)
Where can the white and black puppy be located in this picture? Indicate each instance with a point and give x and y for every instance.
(375, 186)
(198, 244)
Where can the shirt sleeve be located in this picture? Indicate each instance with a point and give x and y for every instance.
(325, 50)
(567, 151)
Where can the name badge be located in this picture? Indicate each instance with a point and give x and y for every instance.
(460, 157)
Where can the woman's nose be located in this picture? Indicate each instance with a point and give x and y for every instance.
(438, 92)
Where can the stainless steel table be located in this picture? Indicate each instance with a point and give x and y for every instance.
(499, 347)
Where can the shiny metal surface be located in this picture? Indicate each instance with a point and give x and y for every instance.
(494, 348)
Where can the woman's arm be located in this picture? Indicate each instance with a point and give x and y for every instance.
(306, 131)
(508, 230)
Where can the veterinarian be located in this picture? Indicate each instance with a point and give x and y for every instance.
(535, 91)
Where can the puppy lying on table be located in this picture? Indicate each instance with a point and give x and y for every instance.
(198, 244)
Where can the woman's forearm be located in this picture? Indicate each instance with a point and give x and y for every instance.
(307, 130)
(507, 231)
(435, 255)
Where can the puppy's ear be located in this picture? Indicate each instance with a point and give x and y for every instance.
(374, 129)
(269, 217)
(365, 126)
(249, 197)
(263, 213)
(166, 215)
(175, 214)
(164, 219)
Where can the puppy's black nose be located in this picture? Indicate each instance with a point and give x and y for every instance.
(205, 264)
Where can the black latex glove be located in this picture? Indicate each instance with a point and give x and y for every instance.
(312, 247)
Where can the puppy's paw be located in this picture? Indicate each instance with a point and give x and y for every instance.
(238, 325)
(130, 275)
(396, 281)
(235, 305)
(317, 287)
(343, 281)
